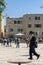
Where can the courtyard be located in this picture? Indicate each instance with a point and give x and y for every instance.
(8, 53)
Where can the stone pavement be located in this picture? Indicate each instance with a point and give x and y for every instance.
(7, 53)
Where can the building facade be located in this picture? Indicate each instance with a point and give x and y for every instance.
(25, 24)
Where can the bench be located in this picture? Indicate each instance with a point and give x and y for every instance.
(19, 61)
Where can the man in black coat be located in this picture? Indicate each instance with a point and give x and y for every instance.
(32, 46)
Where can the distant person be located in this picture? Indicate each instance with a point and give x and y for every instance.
(15, 40)
(32, 46)
(4, 41)
(27, 41)
(7, 42)
(1, 41)
(17, 43)
(10, 40)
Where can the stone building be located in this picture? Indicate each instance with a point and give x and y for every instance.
(25, 24)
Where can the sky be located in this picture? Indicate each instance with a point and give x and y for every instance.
(17, 8)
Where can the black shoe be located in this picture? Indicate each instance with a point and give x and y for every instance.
(30, 58)
(38, 56)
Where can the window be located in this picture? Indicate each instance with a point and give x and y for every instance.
(35, 18)
(19, 30)
(29, 25)
(38, 18)
(11, 30)
(38, 25)
(19, 22)
(29, 18)
(15, 22)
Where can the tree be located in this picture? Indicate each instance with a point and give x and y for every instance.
(2, 7)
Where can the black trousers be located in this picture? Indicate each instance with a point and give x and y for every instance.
(32, 51)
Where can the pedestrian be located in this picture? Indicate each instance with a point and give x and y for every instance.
(10, 40)
(32, 46)
(4, 41)
(15, 40)
(7, 42)
(17, 43)
(27, 41)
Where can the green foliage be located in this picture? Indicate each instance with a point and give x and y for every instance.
(2, 7)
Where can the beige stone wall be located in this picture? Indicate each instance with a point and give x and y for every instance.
(26, 19)
(10, 24)
(33, 22)
(2, 28)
